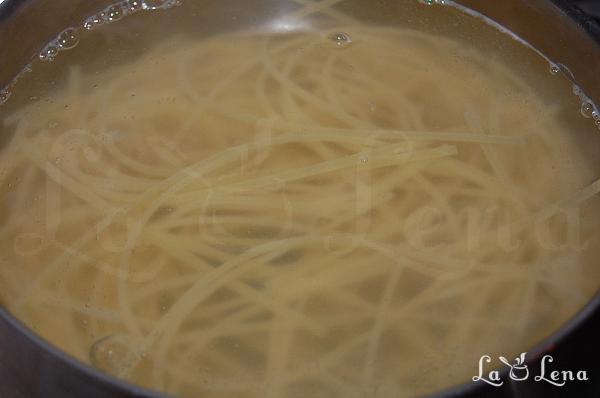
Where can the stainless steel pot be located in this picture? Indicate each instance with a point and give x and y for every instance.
(30, 367)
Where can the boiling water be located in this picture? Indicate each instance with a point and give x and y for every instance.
(347, 210)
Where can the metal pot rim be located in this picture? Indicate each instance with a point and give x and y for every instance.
(590, 25)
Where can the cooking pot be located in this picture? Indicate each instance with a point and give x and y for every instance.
(30, 367)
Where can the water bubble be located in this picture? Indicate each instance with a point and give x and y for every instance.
(114, 354)
(68, 39)
(121, 9)
(427, 2)
(587, 110)
(554, 69)
(341, 39)
(160, 4)
(596, 116)
(4, 94)
(134, 5)
(95, 20)
(49, 52)
(114, 13)
(152, 4)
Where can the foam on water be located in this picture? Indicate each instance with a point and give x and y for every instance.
(69, 37)
(118, 10)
